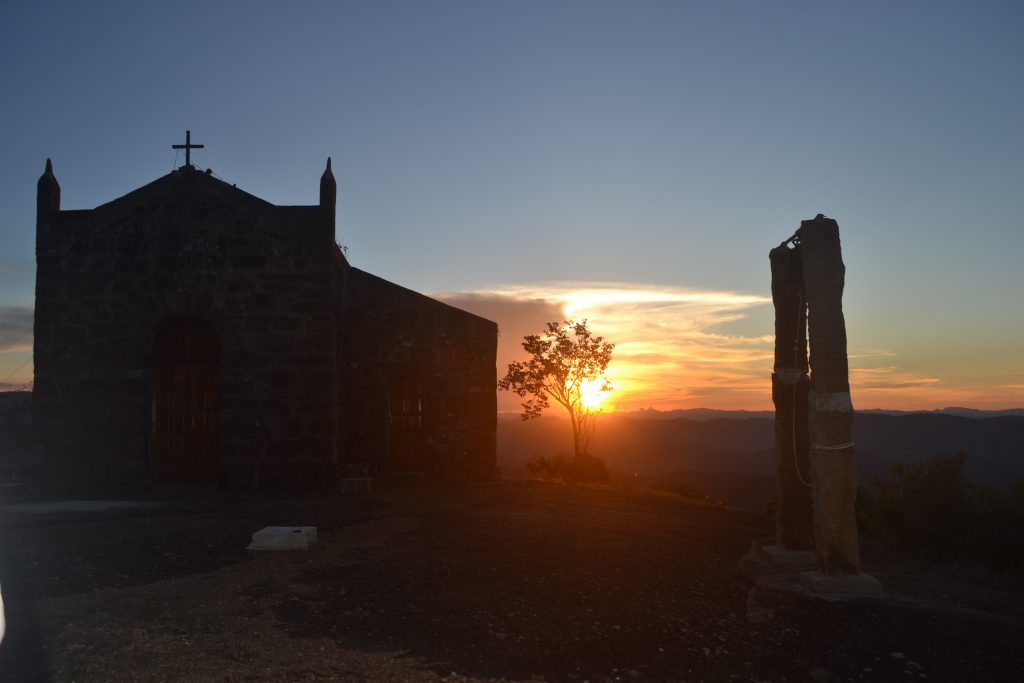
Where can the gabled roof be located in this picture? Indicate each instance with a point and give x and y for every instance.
(187, 184)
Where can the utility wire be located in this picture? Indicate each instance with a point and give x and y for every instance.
(4, 380)
(20, 336)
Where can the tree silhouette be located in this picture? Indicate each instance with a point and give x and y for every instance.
(567, 364)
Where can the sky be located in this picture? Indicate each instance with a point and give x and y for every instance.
(631, 163)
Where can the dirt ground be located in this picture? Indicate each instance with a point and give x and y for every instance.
(504, 581)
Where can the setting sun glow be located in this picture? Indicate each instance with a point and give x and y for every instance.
(593, 392)
(678, 347)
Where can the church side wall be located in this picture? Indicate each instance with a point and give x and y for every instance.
(188, 246)
(399, 338)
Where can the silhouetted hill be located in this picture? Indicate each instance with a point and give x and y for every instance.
(704, 414)
(699, 414)
(739, 452)
(959, 412)
(995, 446)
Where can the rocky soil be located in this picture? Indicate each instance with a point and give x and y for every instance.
(506, 581)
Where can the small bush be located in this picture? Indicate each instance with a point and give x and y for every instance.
(930, 509)
(585, 468)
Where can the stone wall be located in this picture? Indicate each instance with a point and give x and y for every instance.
(186, 245)
(398, 338)
(17, 449)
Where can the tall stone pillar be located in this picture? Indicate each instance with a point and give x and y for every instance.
(793, 507)
(833, 467)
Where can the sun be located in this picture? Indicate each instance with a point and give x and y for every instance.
(593, 392)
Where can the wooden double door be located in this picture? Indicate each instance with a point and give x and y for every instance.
(407, 448)
(185, 405)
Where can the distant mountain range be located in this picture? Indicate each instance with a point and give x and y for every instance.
(705, 414)
(729, 454)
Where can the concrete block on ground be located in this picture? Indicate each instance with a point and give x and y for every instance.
(283, 538)
(355, 485)
(783, 558)
(841, 586)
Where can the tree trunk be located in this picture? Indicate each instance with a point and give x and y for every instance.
(575, 435)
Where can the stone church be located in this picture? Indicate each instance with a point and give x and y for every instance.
(189, 334)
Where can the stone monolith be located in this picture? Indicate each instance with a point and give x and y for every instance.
(833, 468)
(790, 383)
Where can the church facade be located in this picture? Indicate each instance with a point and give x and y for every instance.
(189, 334)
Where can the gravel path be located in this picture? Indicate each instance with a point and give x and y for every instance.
(509, 581)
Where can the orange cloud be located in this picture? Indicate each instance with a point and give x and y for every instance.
(680, 347)
(15, 347)
(669, 351)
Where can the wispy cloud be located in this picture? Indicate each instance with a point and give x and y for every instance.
(680, 347)
(15, 347)
(892, 387)
(670, 348)
(871, 353)
(889, 378)
(15, 329)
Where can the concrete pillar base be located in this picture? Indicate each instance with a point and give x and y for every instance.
(783, 558)
(834, 474)
(841, 586)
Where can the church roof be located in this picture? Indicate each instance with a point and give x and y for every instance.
(188, 184)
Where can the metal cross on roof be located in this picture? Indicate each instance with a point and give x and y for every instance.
(188, 147)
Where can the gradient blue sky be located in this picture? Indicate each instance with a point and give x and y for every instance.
(531, 150)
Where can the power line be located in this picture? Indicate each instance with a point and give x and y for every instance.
(24, 363)
(21, 336)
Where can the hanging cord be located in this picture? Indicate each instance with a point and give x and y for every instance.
(796, 364)
(218, 177)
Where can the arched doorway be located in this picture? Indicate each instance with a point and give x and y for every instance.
(185, 404)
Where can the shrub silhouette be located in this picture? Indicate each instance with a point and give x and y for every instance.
(584, 468)
(930, 509)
